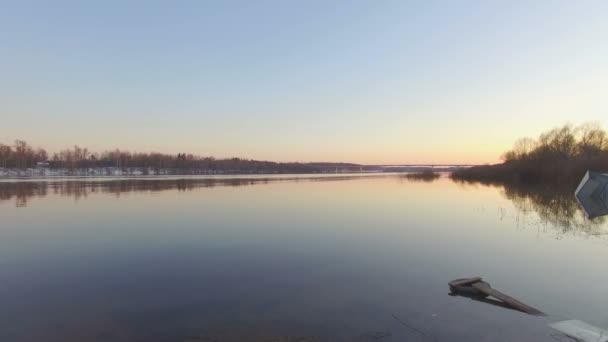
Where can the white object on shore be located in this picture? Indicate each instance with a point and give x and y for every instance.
(581, 331)
(592, 194)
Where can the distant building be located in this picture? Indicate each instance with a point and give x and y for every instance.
(42, 165)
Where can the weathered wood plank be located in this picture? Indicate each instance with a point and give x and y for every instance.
(464, 281)
(483, 287)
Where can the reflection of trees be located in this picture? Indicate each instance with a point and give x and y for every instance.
(24, 191)
(555, 206)
(21, 193)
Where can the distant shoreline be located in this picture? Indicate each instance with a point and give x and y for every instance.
(114, 172)
(547, 173)
(259, 176)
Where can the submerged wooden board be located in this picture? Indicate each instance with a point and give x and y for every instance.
(484, 288)
(464, 281)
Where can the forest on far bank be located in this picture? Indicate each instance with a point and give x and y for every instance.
(23, 156)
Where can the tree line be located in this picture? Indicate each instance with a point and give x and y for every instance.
(564, 143)
(22, 156)
(560, 156)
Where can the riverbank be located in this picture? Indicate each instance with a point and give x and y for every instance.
(559, 157)
(117, 172)
(112, 172)
(563, 173)
(47, 172)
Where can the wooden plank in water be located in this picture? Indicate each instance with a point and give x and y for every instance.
(483, 287)
(464, 281)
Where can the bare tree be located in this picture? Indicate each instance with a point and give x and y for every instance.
(523, 147)
(41, 155)
(24, 154)
(591, 139)
(5, 155)
(557, 143)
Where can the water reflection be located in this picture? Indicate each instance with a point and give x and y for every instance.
(556, 207)
(23, 191)
(359, 260)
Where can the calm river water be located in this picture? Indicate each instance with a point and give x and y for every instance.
(361, 258)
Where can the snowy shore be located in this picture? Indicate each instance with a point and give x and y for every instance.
(110, 172)
(96, 172)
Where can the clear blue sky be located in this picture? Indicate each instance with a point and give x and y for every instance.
(362, 81)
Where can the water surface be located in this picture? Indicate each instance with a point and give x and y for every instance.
(326, 258)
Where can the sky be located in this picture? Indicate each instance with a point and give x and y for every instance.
(375, 82)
